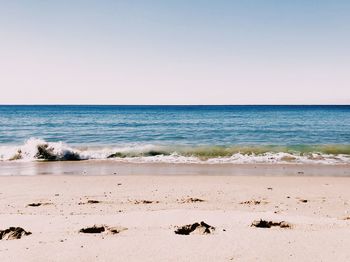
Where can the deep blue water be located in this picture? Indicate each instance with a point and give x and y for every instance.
(177, 125)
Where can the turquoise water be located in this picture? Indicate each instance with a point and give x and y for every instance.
(163, 133)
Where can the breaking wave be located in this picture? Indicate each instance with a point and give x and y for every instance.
(37, 149)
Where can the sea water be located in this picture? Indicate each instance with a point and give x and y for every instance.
(186, 134)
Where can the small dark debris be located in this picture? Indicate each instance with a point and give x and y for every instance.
(253, 202)
(93, 202)
(136, 202)
(268, 224)
(192, 200)
(38, 204)
(116, 230)
(34, 204)
(89, 202)
(202, 228)
(100, 229)
(13, 233)
(93, 230)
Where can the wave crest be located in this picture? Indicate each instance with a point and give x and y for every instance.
(37, 149)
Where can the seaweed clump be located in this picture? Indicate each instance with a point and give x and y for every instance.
(268, 224)
(101, 229)
(136, 154)
(13, 233)
(117, 154)
(201, 228)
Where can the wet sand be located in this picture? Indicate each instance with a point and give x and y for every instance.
(134, 217)
(112, 167)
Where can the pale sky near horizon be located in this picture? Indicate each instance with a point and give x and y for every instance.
(175, 52)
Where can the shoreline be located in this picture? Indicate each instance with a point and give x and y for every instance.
(106, 167)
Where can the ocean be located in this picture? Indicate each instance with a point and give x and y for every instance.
(176, 134)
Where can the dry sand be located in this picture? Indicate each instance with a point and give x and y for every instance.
(135, 218)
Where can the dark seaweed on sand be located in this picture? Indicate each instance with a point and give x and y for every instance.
(13, 233)
(188, 229)
(93, 230)
(268, 224)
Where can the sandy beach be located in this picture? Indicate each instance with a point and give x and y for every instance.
(304, 217)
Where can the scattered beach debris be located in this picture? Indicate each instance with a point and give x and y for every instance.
(253, 202)
(137, 202)
(191, 200)
(116, 230)
(91, 201)
(201, 228)
(100, 229)
(92, 230)
(34, 204)
(13, 233)
(38, 204)
(268, 224)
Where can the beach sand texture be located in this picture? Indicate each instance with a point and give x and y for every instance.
(176, 218)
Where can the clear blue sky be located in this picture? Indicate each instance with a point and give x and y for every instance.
(175, 52)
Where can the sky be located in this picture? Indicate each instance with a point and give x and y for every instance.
(175, 52)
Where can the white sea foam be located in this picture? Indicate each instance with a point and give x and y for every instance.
(271, 158)
(30, 150)
(37, 149)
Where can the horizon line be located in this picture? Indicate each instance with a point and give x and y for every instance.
(174, 104)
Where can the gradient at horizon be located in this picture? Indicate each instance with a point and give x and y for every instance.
(175, 52)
